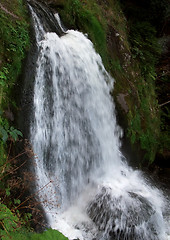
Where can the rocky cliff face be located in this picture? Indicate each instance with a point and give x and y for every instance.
(134, 90)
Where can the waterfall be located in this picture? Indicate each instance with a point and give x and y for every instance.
(87, 189)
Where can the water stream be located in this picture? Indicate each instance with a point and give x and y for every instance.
(91, 192)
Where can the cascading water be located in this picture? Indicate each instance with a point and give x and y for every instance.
(90, 191)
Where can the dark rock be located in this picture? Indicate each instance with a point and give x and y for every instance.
(118, 220)
(9, 114)
(48, 20)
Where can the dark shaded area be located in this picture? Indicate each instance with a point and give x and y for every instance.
(155, 12)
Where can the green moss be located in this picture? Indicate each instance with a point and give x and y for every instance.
(50, 235)
(79, 15)
(146, 50)
(144, 119)
(24, 234)
(14, 37)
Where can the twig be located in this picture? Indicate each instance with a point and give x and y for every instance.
(13, 170)
(9, 150)
(32, 195)
(5, 10)
(14, 158)
(4, 228)
(164, 104)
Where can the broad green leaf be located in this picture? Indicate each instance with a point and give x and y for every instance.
(13, 135)
(2, 76)
(19, 133)
(3, 134)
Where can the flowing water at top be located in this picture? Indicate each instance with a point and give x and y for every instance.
(91, 193)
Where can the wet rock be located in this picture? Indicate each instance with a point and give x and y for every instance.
(117, 218)
(54, 4)
(46, 15)
(121, 100)
(9, 115)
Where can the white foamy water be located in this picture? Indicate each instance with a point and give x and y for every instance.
(91, 191)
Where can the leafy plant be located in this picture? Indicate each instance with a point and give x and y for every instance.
(11, 227)
(8, 222)
(3, 79)
(7, 131)
(14, 37)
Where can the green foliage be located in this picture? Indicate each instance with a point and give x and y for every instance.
(8, 222)
(3, 78)
(116, 66)
(76, 15)
(11, 227)
(144, 118)
(50, 235)
(23, 234)
(14, 40)
(6, 131)
(144, 130)
(145, 46)
(2, 152)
